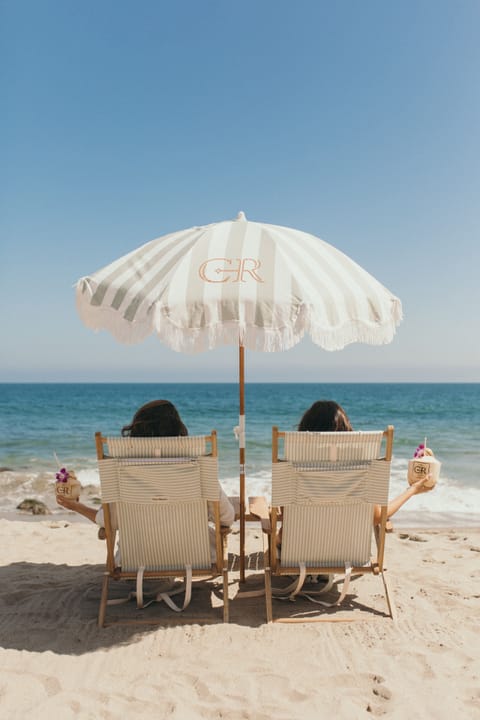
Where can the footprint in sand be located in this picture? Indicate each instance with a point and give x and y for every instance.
(382, 693)
(51, 685)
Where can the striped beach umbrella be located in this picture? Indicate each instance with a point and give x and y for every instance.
(257, 285)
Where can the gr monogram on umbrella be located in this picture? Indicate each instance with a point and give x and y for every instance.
(226, 269)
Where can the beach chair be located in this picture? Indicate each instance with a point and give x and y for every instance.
(324, 489)
(157, 496)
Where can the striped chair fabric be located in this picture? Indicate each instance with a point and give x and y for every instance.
(161, 510)
(332, 446)
(327, 485)
(157, 496)
(150, 447)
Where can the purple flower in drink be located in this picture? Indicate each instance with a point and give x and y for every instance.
(419, 452)
(62, 475)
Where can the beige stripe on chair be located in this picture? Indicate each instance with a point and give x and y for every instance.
(156, 446)
(164, 537)
(369, 482)
(326, 535)
(332, 446)
(145, 483)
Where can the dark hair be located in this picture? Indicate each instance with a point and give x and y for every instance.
(159, 418)
(325, 416)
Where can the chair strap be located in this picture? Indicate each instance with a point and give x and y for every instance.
(165, 597)
(346, 584)
(291, 591)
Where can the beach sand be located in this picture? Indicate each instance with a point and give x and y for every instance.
(55, 662)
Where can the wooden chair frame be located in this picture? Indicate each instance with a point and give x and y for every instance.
(114, 572)
(270, 523)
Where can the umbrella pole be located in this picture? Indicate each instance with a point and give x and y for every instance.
(241, 369)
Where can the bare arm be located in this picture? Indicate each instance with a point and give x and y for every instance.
(88, 512)
(401, 499)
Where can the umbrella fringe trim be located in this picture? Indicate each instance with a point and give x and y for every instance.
(258, 339)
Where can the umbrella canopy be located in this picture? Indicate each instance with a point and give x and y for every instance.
(239, 282)
(263, 286)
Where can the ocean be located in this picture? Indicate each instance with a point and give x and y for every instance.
(39, 421)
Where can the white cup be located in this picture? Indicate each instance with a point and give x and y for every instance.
(426, 466)
(70, 489)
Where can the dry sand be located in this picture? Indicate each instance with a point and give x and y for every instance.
(55, 662)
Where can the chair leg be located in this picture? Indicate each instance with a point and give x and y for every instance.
(226, 607)
(103, 601)
(390, 604)
(268, 594)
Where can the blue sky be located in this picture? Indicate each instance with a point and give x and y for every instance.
(355, 121)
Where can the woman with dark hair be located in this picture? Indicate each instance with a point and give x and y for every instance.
(329, 416)
(158, 418)
(324, 416)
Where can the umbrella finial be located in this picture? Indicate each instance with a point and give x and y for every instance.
(241, 216)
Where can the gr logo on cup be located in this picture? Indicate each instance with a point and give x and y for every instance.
(222, 270)
(421, 469)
